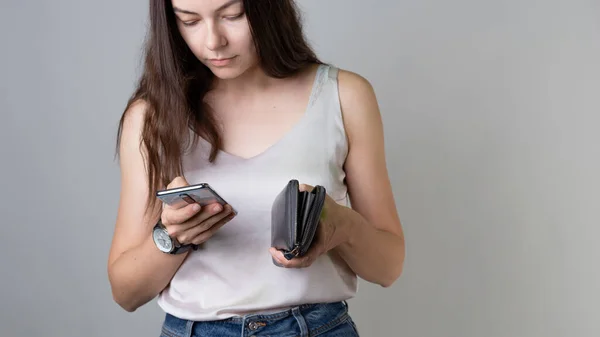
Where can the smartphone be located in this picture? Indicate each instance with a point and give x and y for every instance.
(202, 194)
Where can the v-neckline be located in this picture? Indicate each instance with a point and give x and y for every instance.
(303, 119)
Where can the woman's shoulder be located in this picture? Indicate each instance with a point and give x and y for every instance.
(132, 120)
(135, 111)
(131, 125)
(352, 84)
(357, 99)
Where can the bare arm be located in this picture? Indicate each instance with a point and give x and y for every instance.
(137, 270)
(375, 246)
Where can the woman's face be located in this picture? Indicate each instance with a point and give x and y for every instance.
(218, 33)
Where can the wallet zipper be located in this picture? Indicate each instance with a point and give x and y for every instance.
(299, 241)
(296, 250)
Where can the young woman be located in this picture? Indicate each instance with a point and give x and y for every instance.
(232, 95)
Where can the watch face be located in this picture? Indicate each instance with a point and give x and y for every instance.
(163, 241)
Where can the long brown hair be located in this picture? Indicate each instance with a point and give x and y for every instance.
(174, 82)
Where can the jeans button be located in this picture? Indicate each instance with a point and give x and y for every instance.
(253, 326)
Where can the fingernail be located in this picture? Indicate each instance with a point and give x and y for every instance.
(196, 207)
(217, 208)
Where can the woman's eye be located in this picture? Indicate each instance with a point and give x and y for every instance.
(189, 23)
(234, 17)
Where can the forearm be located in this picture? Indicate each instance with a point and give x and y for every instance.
(373, 254)
(139, 274)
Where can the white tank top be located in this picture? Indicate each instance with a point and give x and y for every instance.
(232, 273)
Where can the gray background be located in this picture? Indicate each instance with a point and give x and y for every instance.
(491, 113)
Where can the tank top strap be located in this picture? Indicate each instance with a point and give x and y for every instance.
(319, 81)
(332, 72)
(325, 84)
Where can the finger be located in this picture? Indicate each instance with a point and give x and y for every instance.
(309, 258)
(280, 260)
(207, 234)
(305, 187)
(176, 229)
(202, 225)
(306, 261)
(172, 216)
(207, 212)
(178, 182)
(297, 262)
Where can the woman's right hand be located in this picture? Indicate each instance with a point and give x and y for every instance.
(193, 224)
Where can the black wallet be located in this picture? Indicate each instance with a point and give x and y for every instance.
(295, 217)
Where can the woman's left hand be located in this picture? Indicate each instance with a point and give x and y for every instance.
(331, 232)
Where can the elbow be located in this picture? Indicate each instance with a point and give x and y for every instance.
(391, 279)
(394, 272)
(126, 301)
(125, 298)
(128, 306)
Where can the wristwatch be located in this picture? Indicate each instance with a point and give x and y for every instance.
(166, 243)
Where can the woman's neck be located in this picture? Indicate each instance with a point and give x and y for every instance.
(253, 80)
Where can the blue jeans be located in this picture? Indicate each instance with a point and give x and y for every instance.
(323, 319)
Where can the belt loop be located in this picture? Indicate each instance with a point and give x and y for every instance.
(189, 326)
(301, 322)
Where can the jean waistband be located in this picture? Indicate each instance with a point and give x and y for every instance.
(306, 319)
(303, 309)
(275, 315)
